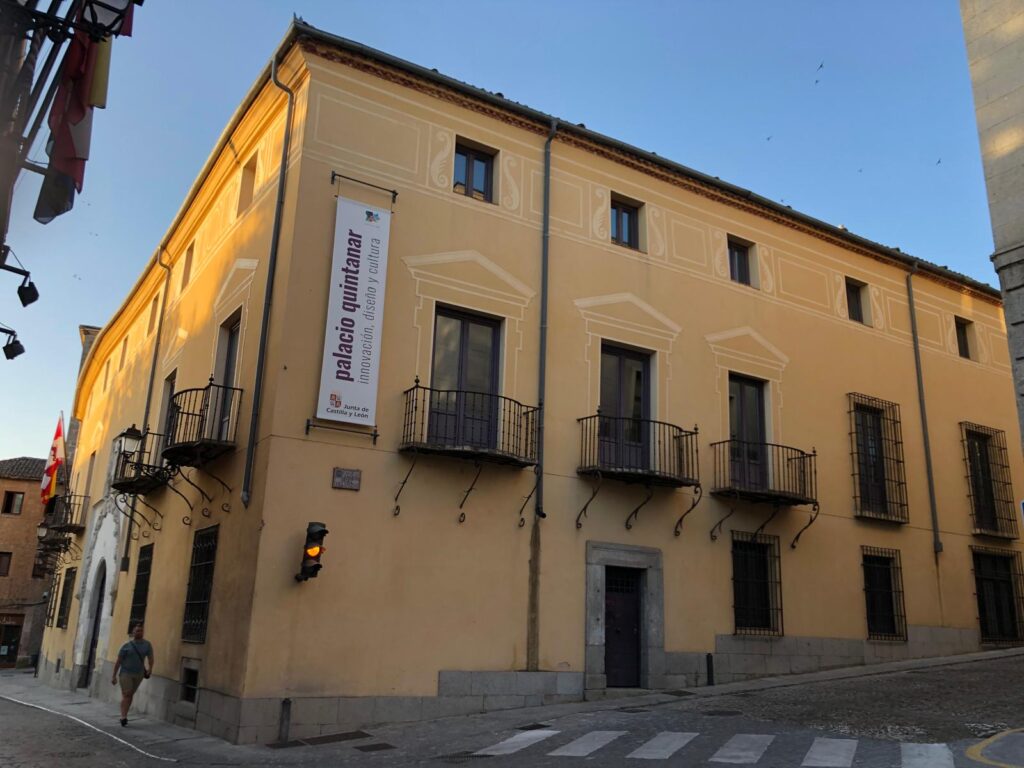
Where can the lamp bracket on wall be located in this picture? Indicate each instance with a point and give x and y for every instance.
(310, 424)
(698, 494)
(641, 505)
(775, 511)
(522, 520)
(479, 469)
(718, 526)
(593, 494)
(335, 176)
(814, 516)
(401, 486)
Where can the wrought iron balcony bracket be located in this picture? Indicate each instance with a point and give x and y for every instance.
(593, 495)
(698, 494)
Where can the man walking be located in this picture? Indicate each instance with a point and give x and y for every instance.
(132, 665)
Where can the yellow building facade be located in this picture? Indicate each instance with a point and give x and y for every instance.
(632, 427)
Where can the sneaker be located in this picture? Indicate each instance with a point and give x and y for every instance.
(124, 721)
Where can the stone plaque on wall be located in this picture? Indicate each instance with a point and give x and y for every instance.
(346, 479)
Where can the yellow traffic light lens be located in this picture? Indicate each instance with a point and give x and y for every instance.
(313, 551)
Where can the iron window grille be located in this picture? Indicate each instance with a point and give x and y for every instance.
(999, 587)
(876, 448)
(739, 262)
(65, 598)
(474, 173)
(883, 594)
(756, 584)
(140, 594)
(51, 605)
(988, 480)
(625, 221)
(200, 585)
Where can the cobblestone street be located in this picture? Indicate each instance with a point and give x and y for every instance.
(932, 714)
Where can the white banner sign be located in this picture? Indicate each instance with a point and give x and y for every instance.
(355, 310)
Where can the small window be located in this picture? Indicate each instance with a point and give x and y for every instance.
(855, 305)
(106, 375)
(247, 186)
(154, 308)
(757, 584)
(5, 563)
(625, 223)
(12, 502)
(963, 343)
(140, 594)
(883, 594)
(999, 586)
(988, 480)
(739, 262)
(200, 585)
(189, 684)
(879, 481)
(186, 269)
(65, 598)
(124, 354)
(474, 173)
(39, 569)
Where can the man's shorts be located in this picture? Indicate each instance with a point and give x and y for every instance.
(129, 683)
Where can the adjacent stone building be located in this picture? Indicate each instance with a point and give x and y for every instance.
(994, 31)
(575, 416)
(23, 576)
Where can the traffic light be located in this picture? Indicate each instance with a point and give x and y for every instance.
(312, 551)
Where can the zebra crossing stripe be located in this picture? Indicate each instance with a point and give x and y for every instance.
(587, 743)
(515, 743)
(830, 753)
(926, 756)
(663, 746)
(743, 749)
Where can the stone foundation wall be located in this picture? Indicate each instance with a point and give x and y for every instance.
(738, 658)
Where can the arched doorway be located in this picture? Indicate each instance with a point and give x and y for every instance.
(99, 591)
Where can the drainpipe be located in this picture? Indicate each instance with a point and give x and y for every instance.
(149, 391)
(533, 608)
(275, 237)
(936, 541)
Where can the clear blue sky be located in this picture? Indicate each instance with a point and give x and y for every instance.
(702, 82)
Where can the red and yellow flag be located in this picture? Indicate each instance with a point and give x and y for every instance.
(48, 488)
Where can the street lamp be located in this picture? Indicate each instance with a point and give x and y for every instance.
(127, 443)
(27, 292)
(107, 15)
(41, 530)
(13, 347)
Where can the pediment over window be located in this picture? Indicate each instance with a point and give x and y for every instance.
(747, 345)
(472, 271)
(629, 312)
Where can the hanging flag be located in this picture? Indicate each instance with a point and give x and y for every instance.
(48, 487)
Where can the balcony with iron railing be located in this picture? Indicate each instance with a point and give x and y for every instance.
(472, 425)
(638, 451)
(68, 514)
(142, 470)
(201, 424)
(765, 472)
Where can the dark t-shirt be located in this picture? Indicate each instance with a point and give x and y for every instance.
(131, 662)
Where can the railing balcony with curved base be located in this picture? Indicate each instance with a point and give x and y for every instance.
(638, 451)
(68, 515)
(141, 471)
(201, 424)
(470, 425)
(765, 472)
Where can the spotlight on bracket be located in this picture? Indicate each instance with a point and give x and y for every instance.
(28, 293)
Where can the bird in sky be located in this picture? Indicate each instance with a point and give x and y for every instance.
(769, 138)
(820, 67)
(939, 161)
